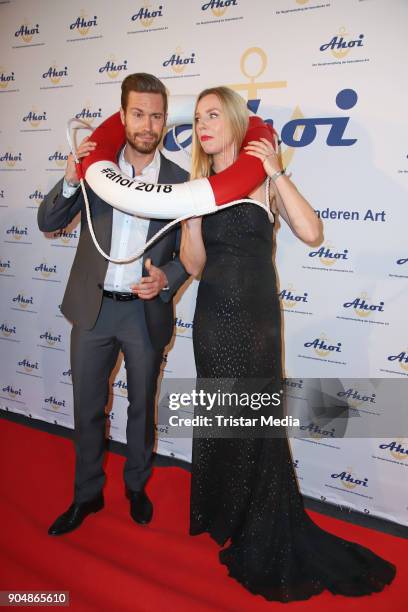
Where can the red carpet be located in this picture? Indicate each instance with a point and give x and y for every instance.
(111, 563)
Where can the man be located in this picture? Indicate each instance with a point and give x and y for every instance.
(109, 311)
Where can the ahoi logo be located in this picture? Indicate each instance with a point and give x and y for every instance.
(121, 386)
(218, 7)
(28, 365)
(67, 373)
(8, 330)
(340, 46)
(348, 481)
(402, 261)
(290, 299)
(22, 301)
(328, 256)
(46, 270)
(345, 100)
(11, 391)
(50, 338)
(5, 78)
(146, 14)
(26, 32)
(17, 233)
(401, 358)
(398, 448)
(88, 114)
(66, 237)
(362, 307)
(113, 69)
(83, 23)
(35, 118)
(55, 403)
(2, 194)
(355, 398)
(178, 61)
(182, 326)
(37, 196)
(315, 431)
(11, 159)
(4, 265)
(322, 346)
(54, 74)
(59, 158)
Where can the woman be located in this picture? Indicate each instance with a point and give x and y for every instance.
(244, 490)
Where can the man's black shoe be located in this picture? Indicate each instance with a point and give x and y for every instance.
(141, 508)
(74, 516)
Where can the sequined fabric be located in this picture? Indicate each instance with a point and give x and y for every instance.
(244, 490)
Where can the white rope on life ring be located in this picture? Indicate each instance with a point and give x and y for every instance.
(193, 198)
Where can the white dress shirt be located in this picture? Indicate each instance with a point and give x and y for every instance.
(129, 232)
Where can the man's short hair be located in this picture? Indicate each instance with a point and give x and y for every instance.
(142, 82)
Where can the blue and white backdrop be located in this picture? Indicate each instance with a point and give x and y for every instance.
(330, 76)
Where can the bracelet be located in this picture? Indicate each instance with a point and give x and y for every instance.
(278, 174)
(70, 184)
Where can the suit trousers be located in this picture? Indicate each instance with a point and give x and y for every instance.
(120, 326)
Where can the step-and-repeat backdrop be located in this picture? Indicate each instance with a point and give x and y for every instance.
(331, 77)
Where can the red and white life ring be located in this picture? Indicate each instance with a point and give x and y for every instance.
(197, 197)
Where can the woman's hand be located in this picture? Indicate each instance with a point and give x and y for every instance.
(267, 153)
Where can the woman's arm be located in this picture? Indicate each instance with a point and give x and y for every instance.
(293, 207)
(192, 250)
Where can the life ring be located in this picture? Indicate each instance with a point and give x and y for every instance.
(197, 197)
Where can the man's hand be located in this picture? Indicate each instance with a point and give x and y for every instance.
(85, 148)
(150, 286)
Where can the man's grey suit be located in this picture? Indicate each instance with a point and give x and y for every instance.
(101, 327)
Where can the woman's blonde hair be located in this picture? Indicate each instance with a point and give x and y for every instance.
(236, 114)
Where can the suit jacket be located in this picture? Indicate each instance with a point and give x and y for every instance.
(83, 295)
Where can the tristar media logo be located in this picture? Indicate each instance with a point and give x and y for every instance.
(6, 78)
(59, 158)
(182, 326)
(88, 114)
(45, 270)
(112, 68)
(11, 159)
(35, 118)
(22, 302)
(27, 32)
(339, 46)
(398, 448)
(50, 338)
(218, 7)
(29, 366)
(120, 386)
(83, 23)
(363, 307)
(348, 480)
(16, 233)
(8, 330)
(179, 61)
(147, 14)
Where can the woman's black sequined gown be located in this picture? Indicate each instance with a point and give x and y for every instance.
(244, 490)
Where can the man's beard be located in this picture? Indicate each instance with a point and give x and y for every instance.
(140, 146)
